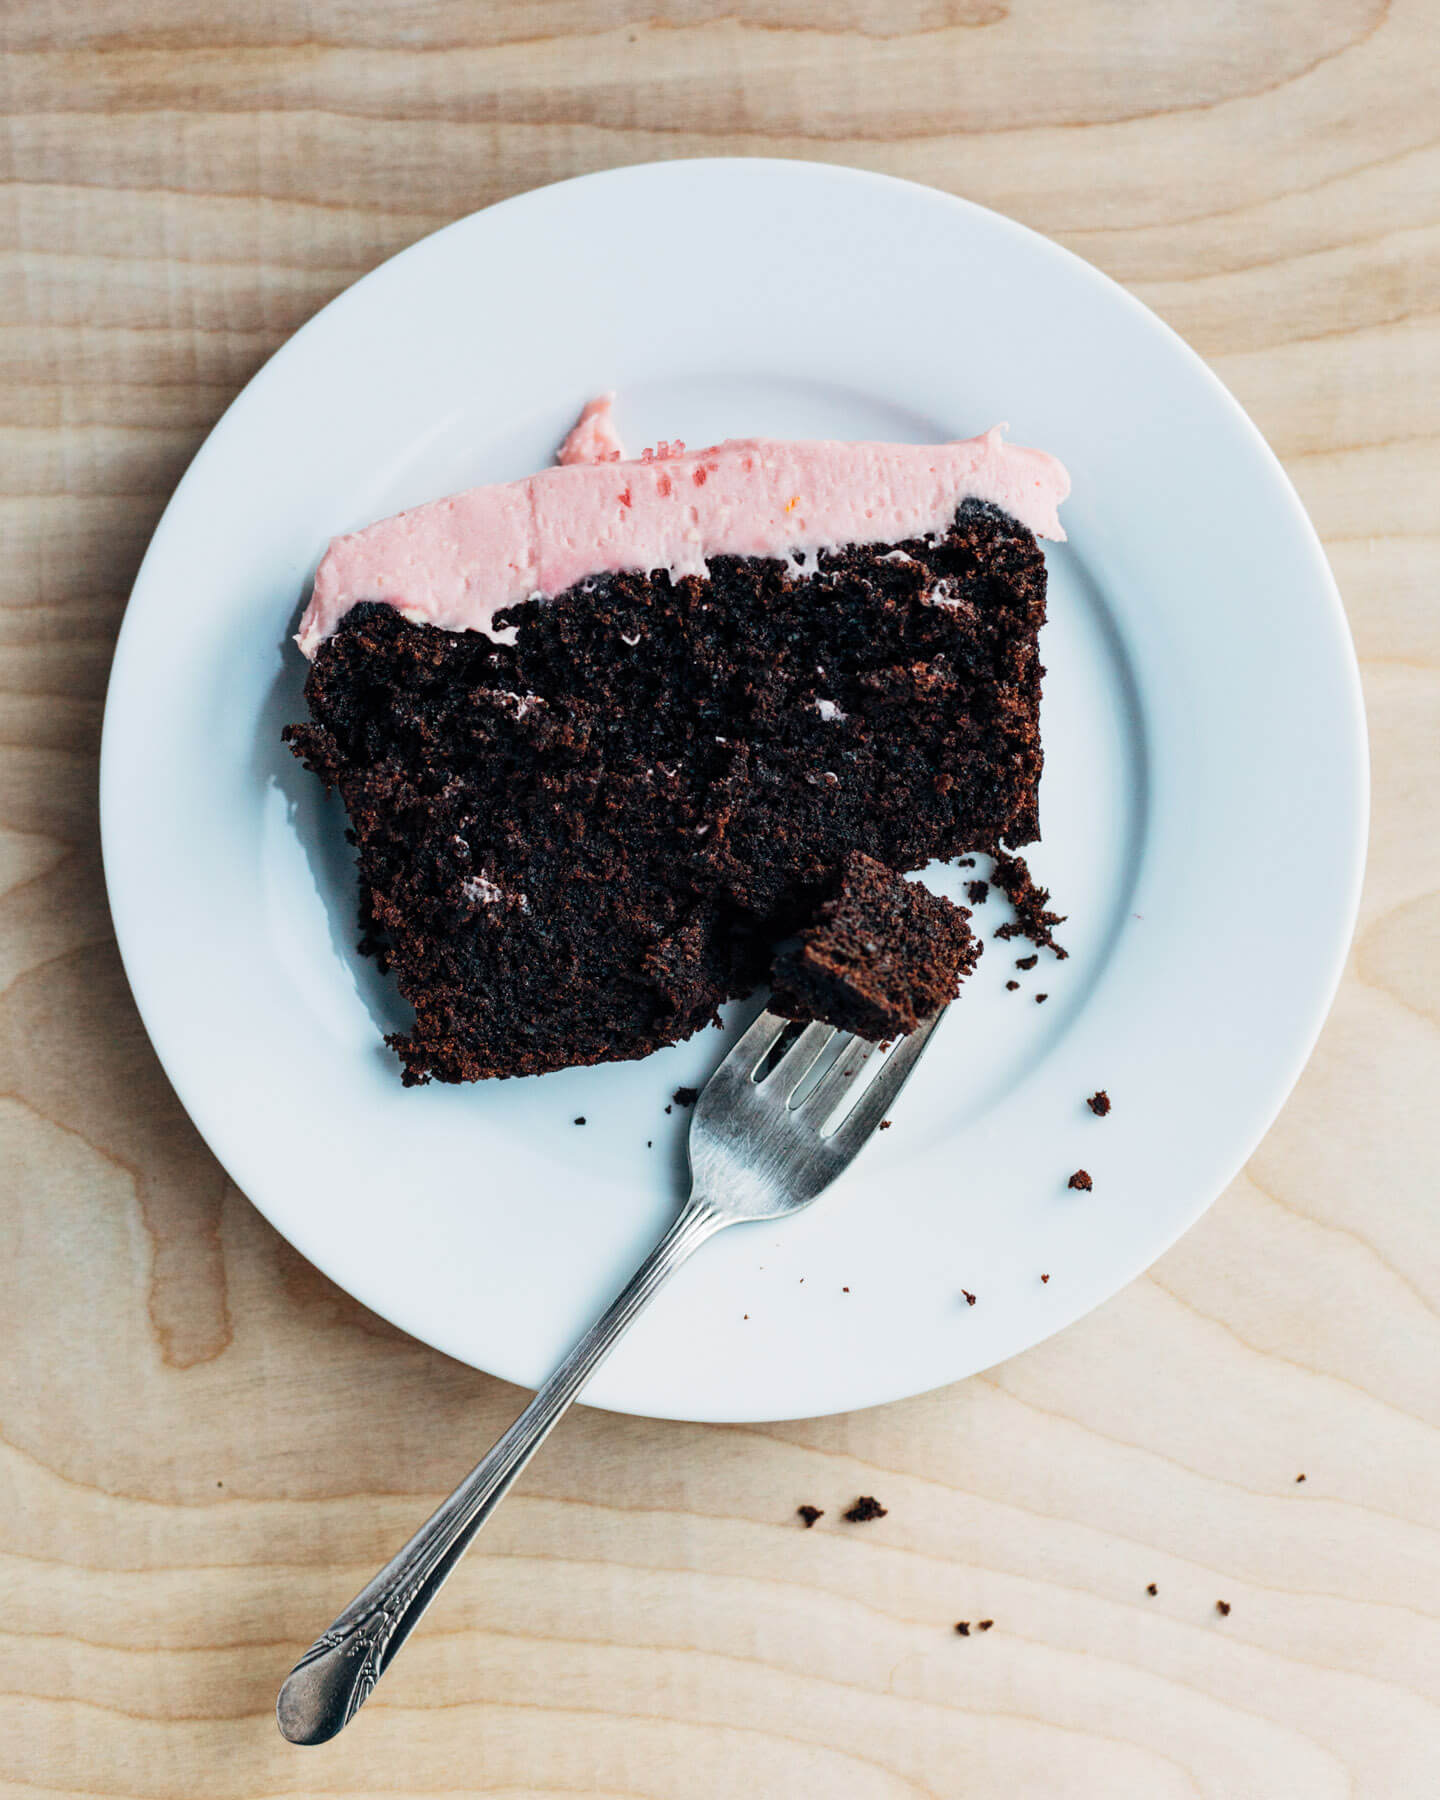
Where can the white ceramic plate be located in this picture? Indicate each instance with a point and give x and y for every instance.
(1203, 804)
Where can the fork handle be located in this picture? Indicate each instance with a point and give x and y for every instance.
(338, 1673)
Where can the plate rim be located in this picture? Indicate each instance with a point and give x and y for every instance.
(1322, 993)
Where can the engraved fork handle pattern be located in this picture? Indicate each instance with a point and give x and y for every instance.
(338, 1673)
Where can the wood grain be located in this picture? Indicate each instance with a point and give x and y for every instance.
(181, 185)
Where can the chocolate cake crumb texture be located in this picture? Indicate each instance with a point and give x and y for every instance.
(883, 955)
(1223, 1608)
(1031, 918)
(1026, 962)
(581, 1119)
(567, 856)
(810, 1514)
(969, 1297)
(685, 1096)
(1099, 1103)
(885, 1124)
(977, 892)
(1080, 1179)
(1044, 1278)
(1151, 1589)
(1300, 1477)
(1012, 985)
(985, 1625)
(1040, 999)
(963, 1627)
(867, 1507)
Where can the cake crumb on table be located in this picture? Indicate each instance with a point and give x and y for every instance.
(985, 1625)
(1012, 985)
(969, 1297)
(1026, 962)
(1099, 1103)
(685, 1096)
(1300, 1477)
(1080, 1179)
(867, 1507)
(581, 1119)
(1151, 1589)
(1040, 999)
(962, 1626)
(810, 1514)
(1223, 1608)
(977, 892)
(1044, 1277)
(885, 1124)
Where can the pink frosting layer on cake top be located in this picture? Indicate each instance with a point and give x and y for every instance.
(456, 563)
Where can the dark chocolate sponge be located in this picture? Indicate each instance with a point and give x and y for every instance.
(573, 848)
(883, 955)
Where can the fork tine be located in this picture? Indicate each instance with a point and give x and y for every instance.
(801, 1057)
(878, 1098)
(837, 1081)
(755, 1043)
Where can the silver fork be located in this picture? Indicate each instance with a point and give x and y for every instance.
(759, 1149)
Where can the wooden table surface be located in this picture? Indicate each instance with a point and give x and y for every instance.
(204, 1446)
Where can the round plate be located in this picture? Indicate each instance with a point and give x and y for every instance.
(1203, 805)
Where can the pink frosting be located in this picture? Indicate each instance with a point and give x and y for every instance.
(594, 438)
(456, 563)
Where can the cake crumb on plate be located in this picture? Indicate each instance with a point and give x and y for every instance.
(1029, 900)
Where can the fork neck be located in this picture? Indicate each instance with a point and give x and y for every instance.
(696, 1221)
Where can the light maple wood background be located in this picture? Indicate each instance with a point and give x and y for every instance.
(204, 1446)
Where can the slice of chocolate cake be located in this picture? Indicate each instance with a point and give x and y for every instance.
(605, 735)
(884, 955)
